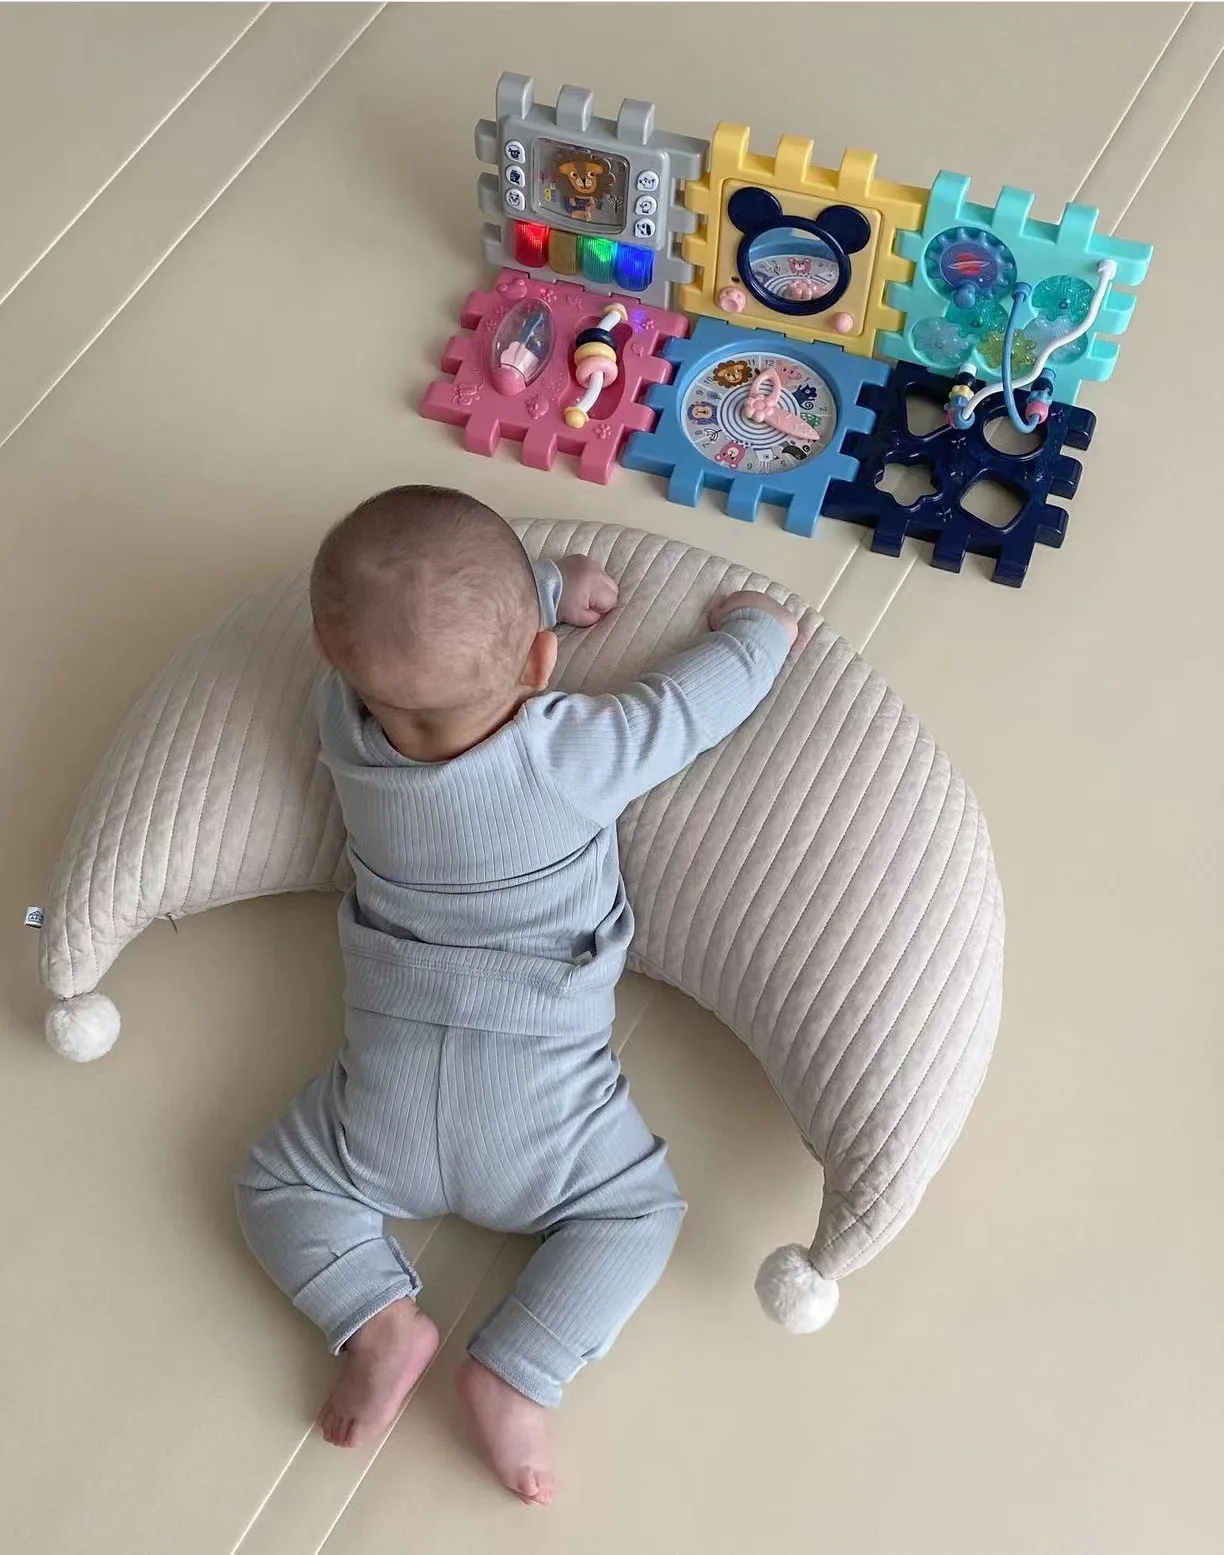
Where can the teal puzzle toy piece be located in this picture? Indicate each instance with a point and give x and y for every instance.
(968, 258)
(757, 415)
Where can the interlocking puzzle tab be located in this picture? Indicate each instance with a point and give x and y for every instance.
(955, 462)
(582, 198)
(807, 250)
(967, 262)
(758, 416)
(511, 377)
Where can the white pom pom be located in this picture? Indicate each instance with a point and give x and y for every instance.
(82, 1028)
(793, 1293)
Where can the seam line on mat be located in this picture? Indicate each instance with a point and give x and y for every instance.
(841, 572)
(1165, 143)
(1134, 98)
(131, 157)
(152, 270)
(271, 1491)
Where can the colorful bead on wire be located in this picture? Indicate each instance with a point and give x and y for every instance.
(595, 363)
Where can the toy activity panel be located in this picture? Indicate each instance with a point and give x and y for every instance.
(758, 416)
(553, 368)
(980, 272)
(791, 265)
(957, 460)
(801, 278)
(805, 249)
(581, 197)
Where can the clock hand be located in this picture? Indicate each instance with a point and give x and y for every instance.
(762, 406)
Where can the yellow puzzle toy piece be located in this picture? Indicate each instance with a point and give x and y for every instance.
(802, 249)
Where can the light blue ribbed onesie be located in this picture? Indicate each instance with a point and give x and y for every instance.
(482, 944)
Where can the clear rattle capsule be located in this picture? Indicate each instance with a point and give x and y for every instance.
(521, 346)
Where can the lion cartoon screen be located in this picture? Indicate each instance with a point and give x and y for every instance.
(582, 185)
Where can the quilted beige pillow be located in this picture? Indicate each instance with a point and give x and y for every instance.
(822, 881)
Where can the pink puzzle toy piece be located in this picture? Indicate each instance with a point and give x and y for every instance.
(472, 394)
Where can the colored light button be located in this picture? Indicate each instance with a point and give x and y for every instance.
(622, 264)
(601, 260)
(531, 244)
(633, 268)
(563, 253)
(597, 257)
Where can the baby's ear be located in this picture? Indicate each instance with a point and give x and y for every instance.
(541, 661)
(319, 648)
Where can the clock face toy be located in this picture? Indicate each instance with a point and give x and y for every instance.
(722, 423)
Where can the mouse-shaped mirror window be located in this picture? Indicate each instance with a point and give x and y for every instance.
(795, 265)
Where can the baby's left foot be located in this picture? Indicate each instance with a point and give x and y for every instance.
(383, 1362)
(511, 1430)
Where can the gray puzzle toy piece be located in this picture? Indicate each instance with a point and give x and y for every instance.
(656, 162)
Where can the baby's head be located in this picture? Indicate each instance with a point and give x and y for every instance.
(425, 601)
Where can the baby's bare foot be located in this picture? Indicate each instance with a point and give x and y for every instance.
(512, 1432)
(383, 1362)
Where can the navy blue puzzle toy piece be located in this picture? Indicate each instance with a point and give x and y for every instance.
(957, 460)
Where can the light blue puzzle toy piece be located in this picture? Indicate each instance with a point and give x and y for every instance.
(668, 450)
(1039, 249)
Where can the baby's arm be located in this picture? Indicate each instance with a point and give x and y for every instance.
(577, 591)
(601, 752)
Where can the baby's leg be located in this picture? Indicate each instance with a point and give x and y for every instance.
(593, 1270)
(612, 1219)
(580, 1288)
(323, 1243)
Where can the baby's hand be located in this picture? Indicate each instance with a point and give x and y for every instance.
(587, 592)
(748, 600)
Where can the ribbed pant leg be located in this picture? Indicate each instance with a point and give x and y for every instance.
(605, 1246)
(317, 1232)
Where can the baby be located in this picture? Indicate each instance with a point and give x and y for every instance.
(482, 944)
